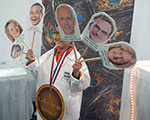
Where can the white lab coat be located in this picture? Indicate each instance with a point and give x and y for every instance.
(70, 88)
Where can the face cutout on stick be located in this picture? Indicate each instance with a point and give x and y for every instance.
(16, 51)
(67, 23)
(118, 55)
(98, 31)
(13, 30)
(36, 13)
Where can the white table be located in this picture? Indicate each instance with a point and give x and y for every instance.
(17, 91)
(135, 102)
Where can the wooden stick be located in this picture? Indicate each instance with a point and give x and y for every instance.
(25, 44)
(91, 59)
(73, 45)
(33, 40)
(85, 50)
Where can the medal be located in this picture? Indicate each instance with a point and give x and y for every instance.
(49, 103)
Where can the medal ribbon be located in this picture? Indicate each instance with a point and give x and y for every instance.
(54, 74)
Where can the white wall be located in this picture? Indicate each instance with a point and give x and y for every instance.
(140, 35)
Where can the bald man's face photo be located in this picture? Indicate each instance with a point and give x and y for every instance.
(65, 19)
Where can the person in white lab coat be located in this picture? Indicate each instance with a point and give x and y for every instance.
(72, 78)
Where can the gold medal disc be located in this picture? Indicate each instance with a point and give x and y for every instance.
(49, 103)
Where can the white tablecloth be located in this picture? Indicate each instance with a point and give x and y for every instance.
(135, 102)
(17, 91)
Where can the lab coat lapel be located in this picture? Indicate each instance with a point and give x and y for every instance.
(70, 57)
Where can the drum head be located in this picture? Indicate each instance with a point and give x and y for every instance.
(49, 103)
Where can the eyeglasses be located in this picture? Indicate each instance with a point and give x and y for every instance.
(104, 33)
(56, 35)
(98, 28)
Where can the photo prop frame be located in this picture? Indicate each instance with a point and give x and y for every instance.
(100, 28)
(67, 22)
(36, 13)
(118, 56)
(18, 47)
(16, 51)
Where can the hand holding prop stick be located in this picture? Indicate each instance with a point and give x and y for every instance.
(26, 45)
